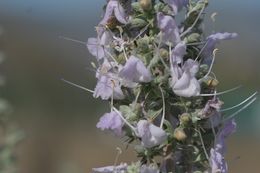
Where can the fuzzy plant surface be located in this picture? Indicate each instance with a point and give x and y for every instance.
(154, 67)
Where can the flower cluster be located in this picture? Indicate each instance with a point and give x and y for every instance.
(156, 72)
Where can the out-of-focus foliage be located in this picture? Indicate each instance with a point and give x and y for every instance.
(10, 134)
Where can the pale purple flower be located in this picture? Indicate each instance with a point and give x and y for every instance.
(111, 121)
(212, 106)
(108, 84)
(213, 40)
(211, 112)
(169, 29)
(217, 161)
(228, 128)
(150, 134)
(107, 87)
(183, 80)
(114, 8)
(111, 169)
(134, 70)
(176, 5)
(98, 46)
(178, 52)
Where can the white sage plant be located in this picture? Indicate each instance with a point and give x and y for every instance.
(157, 74)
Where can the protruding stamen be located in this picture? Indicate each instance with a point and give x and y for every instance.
(240, 110)
(163, 111)
(202, 49)
(119, 152)
(142, 31)
(194, 23)
(241, 103)
(73, 40)
(221, 93)
(78, 86)
(211, 65)
(111, 56)
(127, 123)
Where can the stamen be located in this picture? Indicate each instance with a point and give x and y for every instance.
(126, 58)
(73, 40)
(137, 96)
(111, 56)
(127, 123)
(163, 113)
(240, 110)
(211, 65)
(221, 93)
(78, 86)
(194, 23)
(196, 43)
(143, 30)
(241, 103)
(112, 97)
(119, 152)
(203, 145)
(202, 49)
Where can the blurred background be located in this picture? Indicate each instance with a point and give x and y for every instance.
(59, 119)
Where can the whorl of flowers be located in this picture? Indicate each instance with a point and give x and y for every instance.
(156, 72)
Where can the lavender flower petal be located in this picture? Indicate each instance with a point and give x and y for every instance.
(111, 121)
(213, 40)
(228, 128)
(114, 9)
(98, 46)
(178, 52)
(183, 80)
(95, 48)
(135, 71)
(108, 84)
(150, 134)
(217, 162)
(169, 29)
(106, 87)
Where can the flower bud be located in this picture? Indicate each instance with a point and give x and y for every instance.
(164, 53)
(185, 118)
(212, 82)
(146, 4)
(179, 134)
